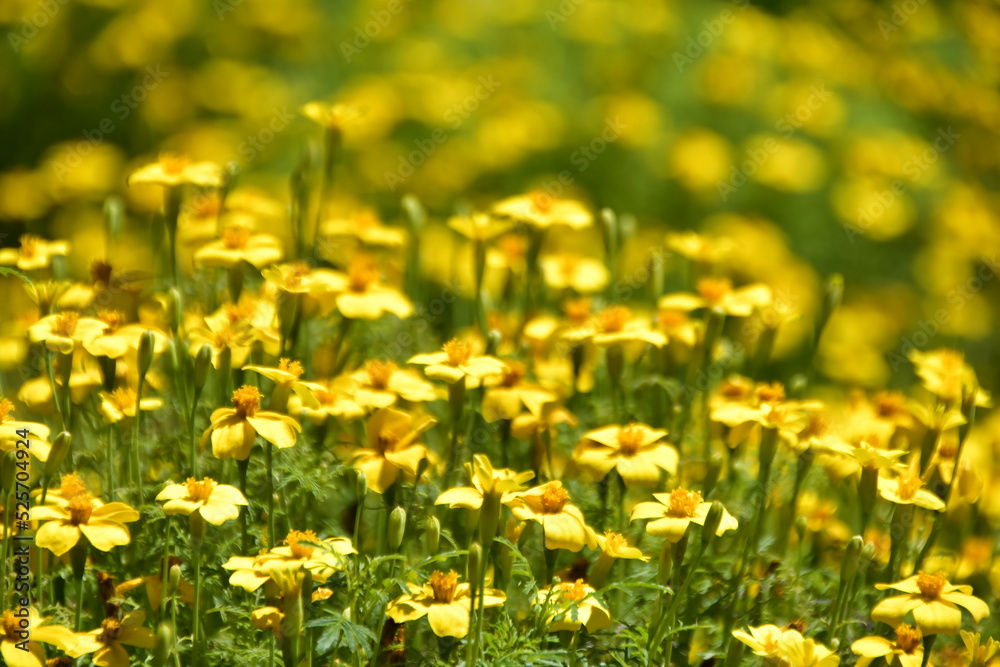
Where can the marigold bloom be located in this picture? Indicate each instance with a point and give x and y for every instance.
(444, 601)
(82, 516)
(457, 362)
(35, 253)
(762, 640)
(719, 293)
(38, 434)
(332, 116)
(634, 450)
(108, 642)
(365, 226)
(675, 511)
(562, 522)
(615, 545)
(333, 400)
(979, 653)
(945, 373)
(571, 605)
(540, 210)
(172, 170)
(360, 294)
(240, 244)
(392, 448)
(216, 503)
(19, 645)
(794, 650)
(908, 648)
(485, 479)
(906, 489)
(381, 383)
(934, 602)
(286, 377)
(233, 430)
(118, 338)
(62, 332)
(479, 226)
(615, 325)
(296, 556)
(584, 275)
(121, 403)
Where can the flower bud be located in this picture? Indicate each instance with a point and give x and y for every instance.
(852, 555)
(432, 535)
(712, 521)
(147, 343)
(397, 528)
(60, 447)
(164, 645)
(801, 526)
(362, 488)
(475, 567)
(173, 578)
(202, 365)
(970, 483)
(493, 339)
(416, 215)
(666, 563)
(832, 297)
(114, 216)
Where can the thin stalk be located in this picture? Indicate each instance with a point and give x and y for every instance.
(269, 490)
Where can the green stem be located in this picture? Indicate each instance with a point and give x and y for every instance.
(269, 490)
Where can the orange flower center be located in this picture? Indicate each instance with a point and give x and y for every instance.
(29, 245)
(614, 542)
(948, 450)
(512, 246)
(65, 324)
(734, 390)
(771, 393)
(541, 201)
(458, 351)
(554, 499)
(206, 207)
(379, 373)
(908, 638)
(613, 319)
(6, 407)
(247, 400)
(444, 585)
(567, 266)
(301, 551)
(111, 628)
(235, 237)
(361, 274)
(713, 290)
(112, 318)
(71, 486)
(573, 592)
(684, 503)
(908, 486)
(80, 508)
(513, 374)
(173, 164)
(889, 404)
(670, 319)
(577, 310)
(951, 360)
(124, 398)
(237, 312)
(630, 439)
(931, 585)
(296, 272)
(291, 367)
(200, 491)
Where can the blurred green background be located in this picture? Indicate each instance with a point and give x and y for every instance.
(844, 136)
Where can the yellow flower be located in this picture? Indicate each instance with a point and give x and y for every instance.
(173, 170)
(359, 295)
(562, 522)
(979, 654)
(794, 650)
(118, 338)
(852, 458)
(216, 503)
(456, 362)
(106, 642)
(719, 293)
(635, 451)
(509, 393)
(581, 274)
(615, 545)
(61, 332)
(239, 244)
(700, 248)
(297, 556)
(231, 333)
(82, 516)
(613, 326)
(296, 278)
(154, 586)
(763, 640)
(540, 210)
(675, 511)
(234, 430)
(35, 253)
(38, 434)
(934, 602)
(333, 400)
(19, 645)
(365, 226)
(381, 383)
(479, 226)
(392, 448)
(267, 618)
(907, 649)
(444, 602)
(121, 403)
(485, 480)
(286, 377)
(772, 411)
(332, 116)
(571, 605)
(906, 489)
(945, 373)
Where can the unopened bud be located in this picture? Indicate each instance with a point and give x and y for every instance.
(851, 557)
(202, 365)
(147, 343)
(832, 297)
(174, 577)
(475, 567)
(712, 521)
(362, 488)
(397, 528)
(432, 535)
(60, 447)
(970, 483)
(164, 645)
